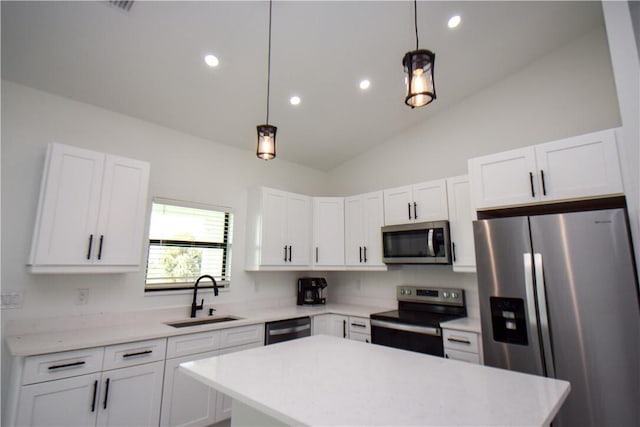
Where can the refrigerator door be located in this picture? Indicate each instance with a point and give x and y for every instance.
(587, 271)
(507, 304)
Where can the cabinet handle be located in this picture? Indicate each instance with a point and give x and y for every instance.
(544, 187)
(415, 210)
(139, 353)
(358, 325)
(453, 251)
(446, 356)
(365, 253)
(344, 329)
(409, 209)
(100, 247)
(459, 340)
(316, 254)
(67, 365)
(285, 253)
(90, 244)
(290, 252)
(95, 395)
(106, 394)
(360, 253)
(533, 193)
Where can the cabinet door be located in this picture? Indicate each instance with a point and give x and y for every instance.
(398, 205)
(430, 201)
(68, 208)
(502, 179)
(461, 216)
(274, 227)
(131, 396)
(331, 324)
(67, 402)
(299, 230)
(328, 231)
(185, 400)
(353, 230)
(372, 220)
(582, 166)
(123, 206)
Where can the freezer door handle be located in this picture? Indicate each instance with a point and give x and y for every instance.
(544, 317)
(531, 308)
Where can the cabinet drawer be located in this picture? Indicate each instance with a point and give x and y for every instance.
(233, 337)
(461, 355)
(359, 325)
(460, 340)
(185, 345)
(357, 336)
(47, 367)
(134, 353)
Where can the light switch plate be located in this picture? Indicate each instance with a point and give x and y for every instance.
(11, 300)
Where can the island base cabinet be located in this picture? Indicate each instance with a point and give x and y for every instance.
(246, 416)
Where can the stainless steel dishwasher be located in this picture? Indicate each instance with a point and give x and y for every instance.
(285, 330)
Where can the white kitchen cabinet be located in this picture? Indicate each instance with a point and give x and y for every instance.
(278, 230)
(461, 216)
(422, 202)
(69, 388)
(331, 324)
(573, 168)
(359, 329)
(364, 216)
(461, 345)
(91, 213)
(328, 232)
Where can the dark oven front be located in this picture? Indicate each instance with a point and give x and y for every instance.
(421, 339)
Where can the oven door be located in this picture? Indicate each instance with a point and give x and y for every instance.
(421, 339)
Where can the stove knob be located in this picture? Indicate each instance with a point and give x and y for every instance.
(408, 291)
(401, 291)
(454, 295)
(445, 294)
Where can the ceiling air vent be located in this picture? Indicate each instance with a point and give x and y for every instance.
(124, 5)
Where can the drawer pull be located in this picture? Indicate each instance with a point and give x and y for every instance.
(358, 325)
(459, 340)
(67, 365)
(139, 353)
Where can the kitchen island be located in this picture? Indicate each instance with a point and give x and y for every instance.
(322, 380)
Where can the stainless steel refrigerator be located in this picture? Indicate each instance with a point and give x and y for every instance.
(559, 297)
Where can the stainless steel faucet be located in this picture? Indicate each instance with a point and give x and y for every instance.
(195, 307)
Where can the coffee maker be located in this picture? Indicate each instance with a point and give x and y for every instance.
(311, 290)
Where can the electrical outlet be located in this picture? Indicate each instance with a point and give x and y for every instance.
(82, 297)
(11, 300)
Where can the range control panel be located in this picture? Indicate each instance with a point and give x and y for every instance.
(448, 296)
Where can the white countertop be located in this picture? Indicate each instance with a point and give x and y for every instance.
(86, 332)
(468, 324)
(322, 380)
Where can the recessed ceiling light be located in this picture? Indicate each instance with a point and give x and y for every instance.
(294, 100)
(454, 21)
(211, 60)
(364, 84)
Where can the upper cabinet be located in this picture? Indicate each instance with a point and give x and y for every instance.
(91, 213)
(278, 230)
(363, 239)
(572, 168)
(461, 217)
(426, 201)
(328, 232)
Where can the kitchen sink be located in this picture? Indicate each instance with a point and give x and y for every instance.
(195, 322)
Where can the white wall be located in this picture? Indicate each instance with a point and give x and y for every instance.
(568, 92)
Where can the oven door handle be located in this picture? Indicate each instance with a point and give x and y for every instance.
(425, 330)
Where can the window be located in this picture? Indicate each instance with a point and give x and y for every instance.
(187, 240)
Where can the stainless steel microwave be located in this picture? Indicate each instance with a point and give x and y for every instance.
(417, 243)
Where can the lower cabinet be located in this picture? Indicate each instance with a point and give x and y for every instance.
(331, 324)
(71, 389)
(462, 345)
(359, 329)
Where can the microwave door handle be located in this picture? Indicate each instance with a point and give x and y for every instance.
(430, 243)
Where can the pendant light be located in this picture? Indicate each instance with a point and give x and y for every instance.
(267, 133)
(418, 64)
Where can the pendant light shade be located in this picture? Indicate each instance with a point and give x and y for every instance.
(267, 133)
(418, 66)
(266, 142)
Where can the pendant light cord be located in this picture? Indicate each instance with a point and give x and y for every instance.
(415, 19)
(269, 63)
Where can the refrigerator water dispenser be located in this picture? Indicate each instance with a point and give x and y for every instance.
(508, 320)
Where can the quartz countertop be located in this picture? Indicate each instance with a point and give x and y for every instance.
(86, 332)
(323, 380)
(467, 324)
